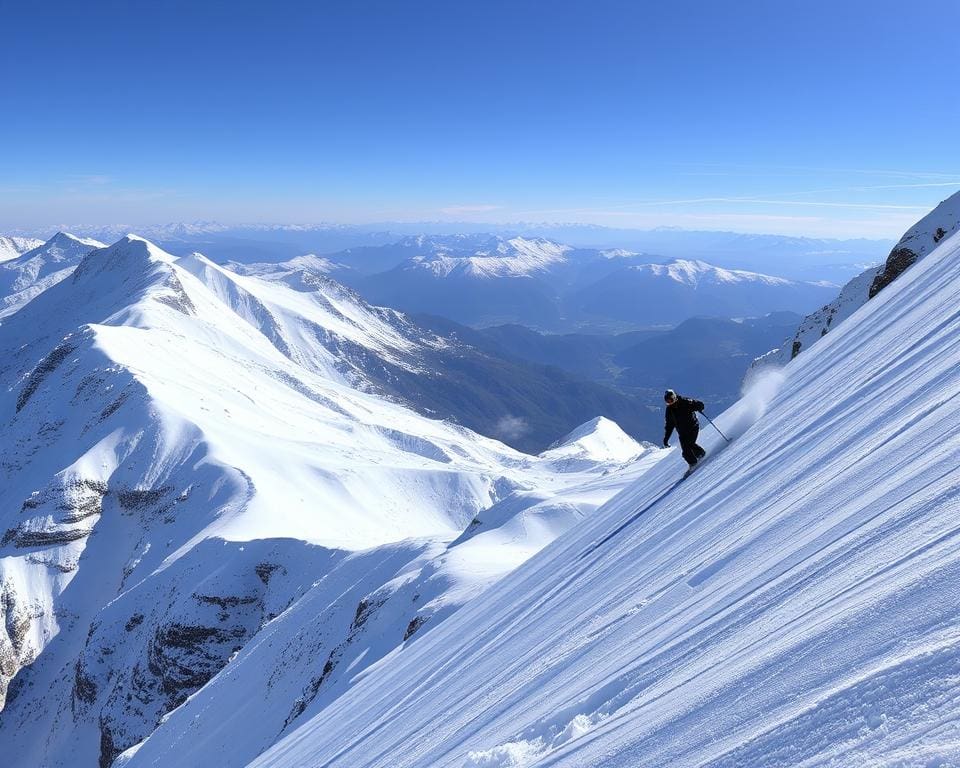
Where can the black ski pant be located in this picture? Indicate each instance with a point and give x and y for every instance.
(692, 452)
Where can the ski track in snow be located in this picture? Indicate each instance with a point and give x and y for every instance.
(793, 603)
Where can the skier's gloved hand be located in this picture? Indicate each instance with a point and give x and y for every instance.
(666, 443)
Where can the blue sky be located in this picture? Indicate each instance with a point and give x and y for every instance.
(825, 118)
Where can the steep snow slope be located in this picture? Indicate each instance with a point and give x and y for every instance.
(313, 652)
(29, 274)
(942, 222)
(186, 456)
(793, 603)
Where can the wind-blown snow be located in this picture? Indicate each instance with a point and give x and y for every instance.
(793, 603)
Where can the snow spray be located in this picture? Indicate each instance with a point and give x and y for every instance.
(758, 390)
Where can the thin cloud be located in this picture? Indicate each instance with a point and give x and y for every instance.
(768, 169)
(626, 208)
(92, 180)
(454, 210)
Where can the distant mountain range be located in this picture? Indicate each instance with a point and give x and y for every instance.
(799, 258)
(12, 247)
(508, 381)
(553, 287)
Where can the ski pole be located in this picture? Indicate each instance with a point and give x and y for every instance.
(715, 427)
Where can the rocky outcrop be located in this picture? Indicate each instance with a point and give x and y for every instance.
(915, 245)
(58, 515)
(44, 368)
(136, 667)
(15, 649)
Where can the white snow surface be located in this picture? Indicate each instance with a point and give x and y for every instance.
(309, 262)
(794, 602)
(194, 481)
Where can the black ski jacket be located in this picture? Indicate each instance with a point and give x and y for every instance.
(682, 416)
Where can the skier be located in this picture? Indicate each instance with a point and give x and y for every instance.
(681, 415)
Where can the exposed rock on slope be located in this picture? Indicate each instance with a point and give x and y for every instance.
(940, 223)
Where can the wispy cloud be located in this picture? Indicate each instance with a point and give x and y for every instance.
(455, 210)
(737, 169)
(511, 427)
(627, 209)
(87, 180)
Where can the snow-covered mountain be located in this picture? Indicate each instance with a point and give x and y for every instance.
(550, 286)
(32, 272)
(191, 453)
(516, 257)
(12, 247)
(942, 222)
(793, 603)
(480, 283)
(800, 258)
(650, 294)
